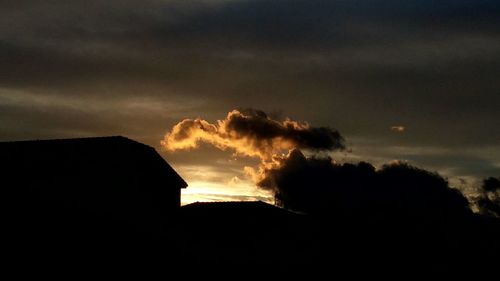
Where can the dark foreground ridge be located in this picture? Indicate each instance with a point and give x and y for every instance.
(84, 205)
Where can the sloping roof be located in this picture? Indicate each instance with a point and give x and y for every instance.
(235, 208)
(230, 205)
(113, 149)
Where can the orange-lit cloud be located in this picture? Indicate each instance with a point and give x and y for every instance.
(398, 129)
(252, 133)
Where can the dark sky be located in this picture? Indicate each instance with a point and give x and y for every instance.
(136, 68)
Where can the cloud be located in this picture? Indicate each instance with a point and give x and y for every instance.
(252, 133)
(40, 115)
(130, 39)
(398, 129)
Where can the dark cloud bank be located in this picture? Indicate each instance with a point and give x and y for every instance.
(424, 64)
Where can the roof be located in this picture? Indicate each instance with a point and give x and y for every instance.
(235, 208)
(82, 151)
(230, 204)
(87, 141)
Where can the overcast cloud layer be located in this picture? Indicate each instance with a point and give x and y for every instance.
(79, 68)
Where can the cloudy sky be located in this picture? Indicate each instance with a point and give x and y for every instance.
(416, 81)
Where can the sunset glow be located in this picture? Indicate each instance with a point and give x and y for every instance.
(214, 192)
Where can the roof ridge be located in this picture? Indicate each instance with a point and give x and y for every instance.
(69, 139)
(200, 203)
(241, 201)
(100, 144)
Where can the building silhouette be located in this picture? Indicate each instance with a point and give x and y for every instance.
(108, 177)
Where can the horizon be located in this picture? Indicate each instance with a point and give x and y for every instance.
(248, 191)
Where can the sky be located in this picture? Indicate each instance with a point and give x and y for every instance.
(413, 81)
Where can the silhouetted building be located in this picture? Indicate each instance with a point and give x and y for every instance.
(255, 210)
(109, 177)
(230, 233)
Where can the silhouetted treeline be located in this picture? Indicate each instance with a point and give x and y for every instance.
(320, 186)
(489, 199)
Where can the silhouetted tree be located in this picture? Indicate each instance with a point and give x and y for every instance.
(489, 200)
(318, 185)
(491, 184)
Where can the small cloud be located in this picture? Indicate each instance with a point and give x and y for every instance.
(234, 181)
(398, 129)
